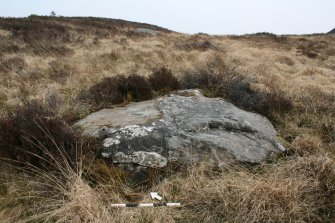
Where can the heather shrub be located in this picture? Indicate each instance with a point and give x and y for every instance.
(163, 80)
(138, 87)
(33, 135)
(191, 80)
(118, 89)
(272, 35)
(35, 30)
(194, 44)
(110, 90)
(239, 90)
(212, 84)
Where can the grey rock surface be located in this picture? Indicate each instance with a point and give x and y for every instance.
(146, 31)
(184, 126)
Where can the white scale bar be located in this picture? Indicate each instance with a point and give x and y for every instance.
(147, 205)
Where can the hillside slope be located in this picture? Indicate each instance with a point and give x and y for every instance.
(55, 70)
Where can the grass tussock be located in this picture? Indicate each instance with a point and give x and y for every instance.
(299, 190)
(285, 60)
(210, 76)
(14, 64)
(7, 46)
(61, 195)
(61, 69)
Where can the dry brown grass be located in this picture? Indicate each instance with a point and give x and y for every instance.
(76, 54)
(294, 190)
(47, 196)
(298, 190)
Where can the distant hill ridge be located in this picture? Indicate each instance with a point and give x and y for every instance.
(332, 31)
(37, 28)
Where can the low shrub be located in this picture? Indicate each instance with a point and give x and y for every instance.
(264, 34)
(267, 37)
(33, 135)
(118, 89)
(264, 39)
(139, 88)
(212, 84)
(190, 45)
(110, 90)
(239, 90)
(35, 29)
(163, 80)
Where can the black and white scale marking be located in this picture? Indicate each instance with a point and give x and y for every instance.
(147, 205)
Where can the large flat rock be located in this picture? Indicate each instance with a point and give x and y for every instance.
(180, 127)
(133, 114)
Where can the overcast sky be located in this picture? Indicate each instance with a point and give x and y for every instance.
(192, 16)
